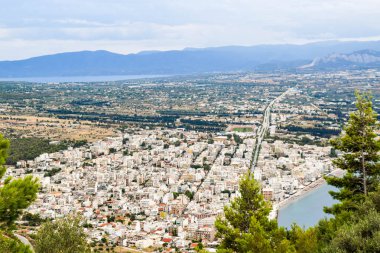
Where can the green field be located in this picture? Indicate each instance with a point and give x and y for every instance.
(243, 129)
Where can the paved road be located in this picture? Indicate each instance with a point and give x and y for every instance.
(264, 127)
(24, 241)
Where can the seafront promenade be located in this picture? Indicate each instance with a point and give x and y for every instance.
(302, 192)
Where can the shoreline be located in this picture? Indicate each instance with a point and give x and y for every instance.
(304, 191)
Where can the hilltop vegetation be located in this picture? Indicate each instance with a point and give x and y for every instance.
(15, 196)
(30, 148)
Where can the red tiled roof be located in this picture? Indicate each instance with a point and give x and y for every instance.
(193, 245)
(166, 239)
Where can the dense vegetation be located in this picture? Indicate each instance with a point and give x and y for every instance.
(322, 132)
(65, 235)
(30, 148)
(360, 157)
(15, 196)
(103, 117)
(204, 123)
(245, 226)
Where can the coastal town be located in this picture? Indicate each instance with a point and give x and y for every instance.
(150, 188)
(161, 126)
(162, 186)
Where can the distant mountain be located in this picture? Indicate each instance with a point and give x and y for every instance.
(362, 58)
(187, 61)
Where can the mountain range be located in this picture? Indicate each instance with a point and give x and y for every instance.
(363, 58)
(195, 60)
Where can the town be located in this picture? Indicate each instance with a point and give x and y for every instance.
(170, 151)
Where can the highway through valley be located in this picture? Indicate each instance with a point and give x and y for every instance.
(264, 127)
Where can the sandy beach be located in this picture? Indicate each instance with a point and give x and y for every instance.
(302, 192)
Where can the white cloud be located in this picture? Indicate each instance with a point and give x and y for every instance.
(134, 25)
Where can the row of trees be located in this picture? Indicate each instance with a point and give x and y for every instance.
(355, 226)
(318, 131)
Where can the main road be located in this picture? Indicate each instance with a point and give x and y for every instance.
(264, 127)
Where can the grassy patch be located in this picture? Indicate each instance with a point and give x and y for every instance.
(243, 129)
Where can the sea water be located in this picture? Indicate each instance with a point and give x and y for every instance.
(307, 210)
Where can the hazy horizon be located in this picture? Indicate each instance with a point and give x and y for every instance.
(195, 48)
(33, 28)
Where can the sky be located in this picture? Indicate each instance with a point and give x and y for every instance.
(38, 27)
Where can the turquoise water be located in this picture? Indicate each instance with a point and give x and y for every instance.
(307, 210)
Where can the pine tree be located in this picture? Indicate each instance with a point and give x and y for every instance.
(12, 245)
(65, 235)
(15, 196)
(360, 157)
(359, 232)
(245, 226)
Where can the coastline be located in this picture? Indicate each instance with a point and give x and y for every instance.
(304, 191)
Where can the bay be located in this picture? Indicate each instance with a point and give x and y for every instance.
(307, 210)
(64, 79)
